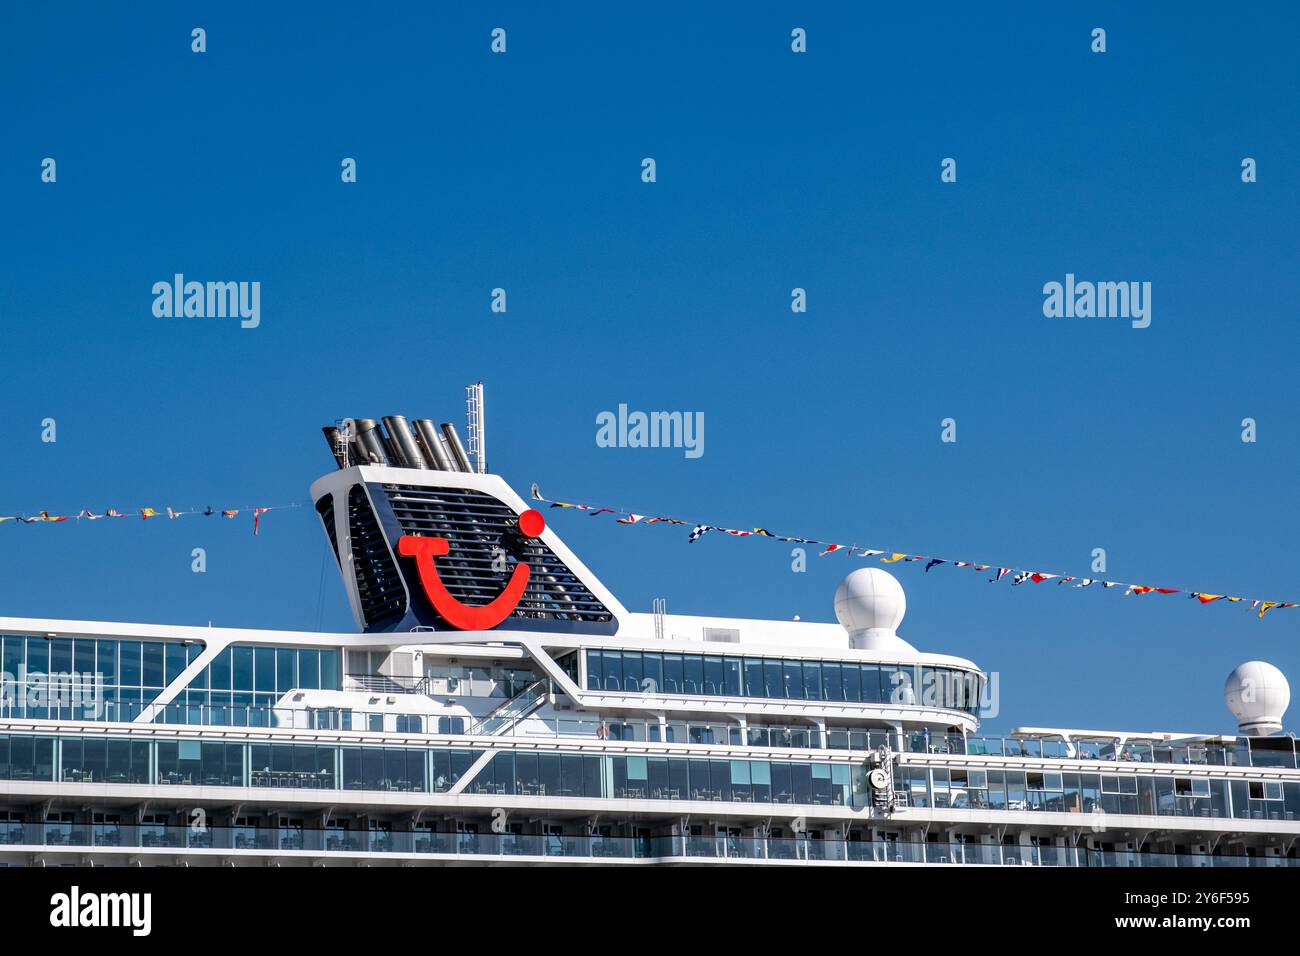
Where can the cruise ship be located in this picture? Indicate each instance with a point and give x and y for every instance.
(497, 704)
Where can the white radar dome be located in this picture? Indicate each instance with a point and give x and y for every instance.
(1258, 695)
(870, 604)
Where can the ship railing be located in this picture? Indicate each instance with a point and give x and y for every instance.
(508, 714)
(507, 720)
(383, 684)
(675, 731)
(721, 847)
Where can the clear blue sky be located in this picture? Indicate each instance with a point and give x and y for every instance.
(774, 171)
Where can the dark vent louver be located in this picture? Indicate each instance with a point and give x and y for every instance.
(475, 526)
(382, 595)
(325, 508)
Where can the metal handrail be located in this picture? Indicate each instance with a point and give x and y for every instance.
(528, 698)
(383, 684)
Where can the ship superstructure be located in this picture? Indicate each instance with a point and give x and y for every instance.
(572, 730)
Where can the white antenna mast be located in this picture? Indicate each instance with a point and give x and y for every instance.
(477, 428)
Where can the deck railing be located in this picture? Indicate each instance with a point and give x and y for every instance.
(58, 837)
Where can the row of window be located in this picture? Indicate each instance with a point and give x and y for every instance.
(192, 708)
(740, 781)
(153, 664)
(92, 679)
(542, 775)
(795, 736)
(320, 766)
(270, 670)
(219, 764)
(1158, 795)
(668, 778)
(652, 672)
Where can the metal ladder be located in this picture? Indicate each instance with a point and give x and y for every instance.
(474, 422)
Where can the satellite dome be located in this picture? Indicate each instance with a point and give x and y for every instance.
(870, 604)
(1258, 695)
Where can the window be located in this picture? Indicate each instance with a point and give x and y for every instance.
(548, 773)
(760, 777)
(309, 669)
(264, 669)
(851, 675)
(821, 784)
(218, 670)
(411, 723)
(897, 685)
(1119, 785)
(129, 663)
(15, 654)
(731, 677)
(652, 671)
(694, 682)
(329, 670)
(174, 661)
(1265, 790)
(1047, 781)
(740, 780)
(242, 668)
(386, 768)
(812, 680)
(449, 767)
(832, 685)
(712, 675)
(674, 673)
(612, 670)
(1191, 788)
(754, 677)
(931, 689)
(632, 671)
(152, 669)
(772, 681)
(792, 672)
(61, 655)
(286, 669)
(38, 655)
(874, 690)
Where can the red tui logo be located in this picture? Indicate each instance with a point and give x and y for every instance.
(464, 616)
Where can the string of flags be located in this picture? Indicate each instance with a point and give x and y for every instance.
(1017, 576)
(86, 514)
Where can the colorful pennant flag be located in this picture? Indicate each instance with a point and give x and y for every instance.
(1019, 575)
(45, 517)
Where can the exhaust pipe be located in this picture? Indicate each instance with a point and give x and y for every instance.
(370, 442)
(337, 449)
(455, 447)
(408, 455)
(390, 448)
(431, 443)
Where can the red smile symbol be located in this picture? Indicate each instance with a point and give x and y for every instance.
(463, 616)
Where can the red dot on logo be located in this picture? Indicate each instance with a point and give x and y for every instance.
(531, 523)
